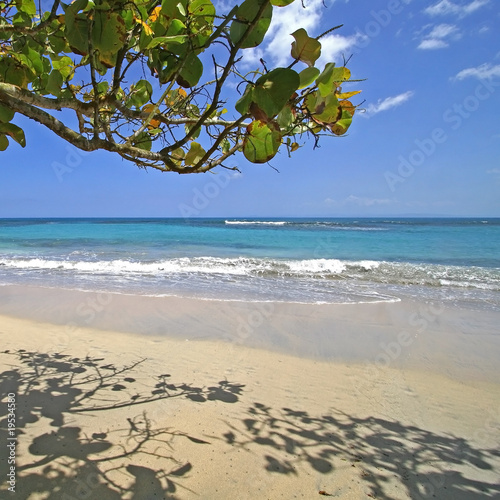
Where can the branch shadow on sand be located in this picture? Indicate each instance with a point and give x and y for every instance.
(63, 461)
(376, 451)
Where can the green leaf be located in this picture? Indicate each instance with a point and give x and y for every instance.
(54, 83)
(172, 8)
(78, 36)
(143, 141)
(305, 48)
(195, 154)
(285, 118)
(26, 6)
(6, 114)
(4, 142)
(108, 36)
(267, 97)
(323, 109)
(63, 64)
(13, 131)
(140, 94)
(245, 15)
(307, 76)
(340, 128)
(331, 77)
(165, 40)
(281, 3)
(191, 72)
(262, 141)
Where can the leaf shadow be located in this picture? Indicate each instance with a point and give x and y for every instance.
(427, 464)
(64, 462)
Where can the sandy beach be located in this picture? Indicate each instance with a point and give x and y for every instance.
(125, 397)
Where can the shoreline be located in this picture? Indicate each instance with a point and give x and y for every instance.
(463, 344)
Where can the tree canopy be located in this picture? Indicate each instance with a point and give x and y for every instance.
(154, 81)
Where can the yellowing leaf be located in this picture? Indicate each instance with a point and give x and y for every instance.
(154, 15)
(262, 141)
(346, 95)
(154, 123)
(305, 48)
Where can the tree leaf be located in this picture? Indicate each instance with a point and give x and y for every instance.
(191, 72)
(262, 141)
(143, 141)
(269, 94)
(281, 3)
(6, 114)
(245, 15)
(195, 154)
(307, 76)
(4, 142)
(323, 109)
(108, 35)
(63, 64)
(346, 95)
(165, 40)
(13, 131)
(26, 6)
(54, 83)
(341, 126)
(305, 48)
(140, 94)
(331, 77)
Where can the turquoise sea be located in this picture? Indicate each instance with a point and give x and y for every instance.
(291, 260)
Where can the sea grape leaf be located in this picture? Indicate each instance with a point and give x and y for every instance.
(307, 76)
(281, 3)
(246, 14)
(6, 114)
(108, 36)
(140, 94)
(341, 126)
(165, 40)
(63, 64)
(13, 131)
(268, 95)
(4, 142)
(26, 6)
(262, 141)
(195, 154)
(54, 83)
(305, 48)
(191, 72)
(143, 141)
(346, 95)
(331, 77)
(323, 109)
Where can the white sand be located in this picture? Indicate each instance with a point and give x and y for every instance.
(239, 421)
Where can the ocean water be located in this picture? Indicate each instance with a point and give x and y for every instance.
(290, 260)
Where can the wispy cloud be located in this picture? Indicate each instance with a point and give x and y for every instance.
(493, 171)
(359, 201)
(445, 7)
(387, 103)
(483, 72)
(439, 36)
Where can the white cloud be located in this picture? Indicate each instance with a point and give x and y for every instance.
(388, 103)
(493, 171)
(359, 201)
(435, 39)
(277, 43)
(432, 44)
(446, 7)
(483, 72)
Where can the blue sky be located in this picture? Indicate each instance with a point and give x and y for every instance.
(428, 142)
